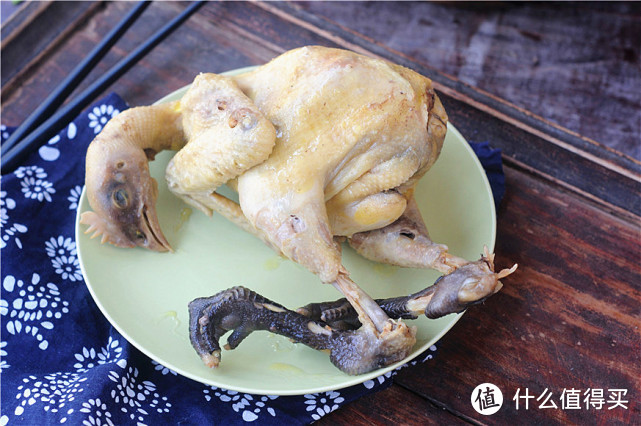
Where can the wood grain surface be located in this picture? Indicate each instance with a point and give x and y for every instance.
(560, 99)
(571, 63)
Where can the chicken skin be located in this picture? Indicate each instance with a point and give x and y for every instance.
(322, 145)
(354, 136)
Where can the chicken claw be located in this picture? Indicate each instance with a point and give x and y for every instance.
(468, 285)
(355, 344)
(244, 311)
(406, 242)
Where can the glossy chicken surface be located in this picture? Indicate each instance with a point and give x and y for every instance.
(322, 145)
(354, 134)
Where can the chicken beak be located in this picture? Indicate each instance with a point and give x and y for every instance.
(150, 226)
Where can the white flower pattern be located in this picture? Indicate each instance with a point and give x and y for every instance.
(100, 115)
(34, 309)
(48, 152)
(30, 171)
(249, 406)
(3, 354)
(164, 370)
(74, 197)
(54, 391)
(60, 246)
(13, 231)
(369, 384)
(89, 358)
(321, 404)
(136, 399)
(64, 258)
(98, 413)
(37, 189)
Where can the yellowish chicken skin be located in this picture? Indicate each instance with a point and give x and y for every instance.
(354, 134)
(226, 134)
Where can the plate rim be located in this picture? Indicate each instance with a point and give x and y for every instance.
(350, 380)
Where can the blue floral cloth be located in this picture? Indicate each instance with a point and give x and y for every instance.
(61, 361)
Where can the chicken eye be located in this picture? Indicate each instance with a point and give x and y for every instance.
(120, 198)
(408, 234)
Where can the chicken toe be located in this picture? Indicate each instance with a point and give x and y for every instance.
(468, 285)
(244, 311)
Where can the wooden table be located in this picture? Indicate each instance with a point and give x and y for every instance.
(559, 98)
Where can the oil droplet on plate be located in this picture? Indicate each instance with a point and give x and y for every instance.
(173, 317)
(286, 368)
(185, 214)
(273, 263)
(281, 344)
(385, 270)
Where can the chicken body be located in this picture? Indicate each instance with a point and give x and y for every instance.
(320, 144)
(354, 134)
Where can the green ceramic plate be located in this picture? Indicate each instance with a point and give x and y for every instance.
(145, 294)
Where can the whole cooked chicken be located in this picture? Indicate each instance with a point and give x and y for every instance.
(322, 145)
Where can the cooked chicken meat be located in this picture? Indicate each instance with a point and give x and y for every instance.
(321, 144)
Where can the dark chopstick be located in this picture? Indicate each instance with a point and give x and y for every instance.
(56, 122)
(60, 93)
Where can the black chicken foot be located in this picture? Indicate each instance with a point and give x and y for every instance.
(245, 311)
(334, 326)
